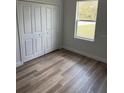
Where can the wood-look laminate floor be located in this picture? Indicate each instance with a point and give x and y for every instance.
(62, 71)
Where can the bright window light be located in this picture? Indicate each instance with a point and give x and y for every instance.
(86, 14)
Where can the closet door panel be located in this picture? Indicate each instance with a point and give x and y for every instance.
(55, 40)
(27, 19)
(39, 44)
(49, 18)
(48, 41)
(37, 19)
(25, 31)
(28, 47)
(38, 33)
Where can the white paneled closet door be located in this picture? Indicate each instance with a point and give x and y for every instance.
(25, 31)
(38, 29)
(39, 33)
(48, 28)
(51, 20)
(30, 30)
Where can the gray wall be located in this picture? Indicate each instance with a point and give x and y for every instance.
(97, 49)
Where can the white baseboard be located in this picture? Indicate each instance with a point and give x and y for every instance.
(19, 63)
(86, 54)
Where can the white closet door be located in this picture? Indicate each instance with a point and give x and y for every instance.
(55, 28)
(38, 32)
(38, 29)
(25, 31)
(48, 28)
(30, 29)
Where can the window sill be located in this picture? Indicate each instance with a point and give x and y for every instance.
(82, 38)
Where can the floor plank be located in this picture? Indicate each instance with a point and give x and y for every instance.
(62, 71)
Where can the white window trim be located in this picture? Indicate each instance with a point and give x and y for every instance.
(75, 30)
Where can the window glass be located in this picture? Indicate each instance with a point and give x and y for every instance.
(86, 19)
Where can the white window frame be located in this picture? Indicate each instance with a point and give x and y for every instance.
(76, 22)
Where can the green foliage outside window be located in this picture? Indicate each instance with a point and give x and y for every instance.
(88, 10)
(86, 19)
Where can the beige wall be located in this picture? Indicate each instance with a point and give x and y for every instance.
(97, 49)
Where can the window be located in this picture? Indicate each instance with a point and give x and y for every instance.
(86, 14)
